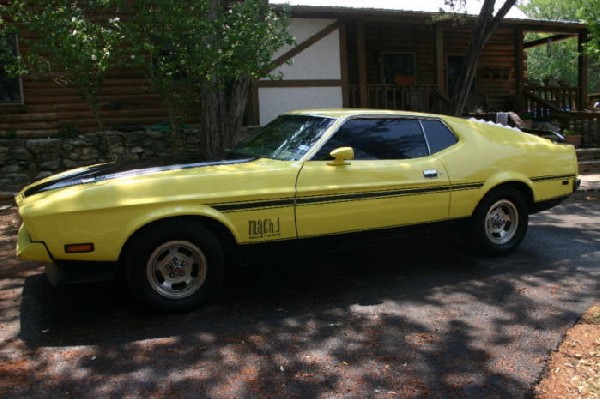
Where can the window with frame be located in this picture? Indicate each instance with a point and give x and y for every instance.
(11, 91)
(454, 65)
(398, 68)
(439, 137)
(379, 138)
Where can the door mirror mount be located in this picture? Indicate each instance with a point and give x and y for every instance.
(341, 156)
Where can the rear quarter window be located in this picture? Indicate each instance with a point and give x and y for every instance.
(439, 137)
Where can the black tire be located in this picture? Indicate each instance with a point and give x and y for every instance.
(499, 222)
(174, 266)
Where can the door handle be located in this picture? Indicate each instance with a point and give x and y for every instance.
(430, 173)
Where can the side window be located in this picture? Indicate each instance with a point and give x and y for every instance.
(438, 135)
(378, 139)
(10, 88)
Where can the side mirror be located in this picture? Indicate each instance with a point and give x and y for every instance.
(341, 155)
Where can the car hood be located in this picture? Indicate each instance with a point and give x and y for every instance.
(117, 170)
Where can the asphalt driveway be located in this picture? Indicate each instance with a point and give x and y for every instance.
(405, 319)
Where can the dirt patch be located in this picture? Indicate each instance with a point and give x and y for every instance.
(9, 227)
(574, 369)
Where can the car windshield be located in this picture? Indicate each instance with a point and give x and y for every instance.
(287, 138)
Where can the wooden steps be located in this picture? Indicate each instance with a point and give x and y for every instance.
(589, 160)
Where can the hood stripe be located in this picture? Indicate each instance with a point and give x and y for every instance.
(117, 171)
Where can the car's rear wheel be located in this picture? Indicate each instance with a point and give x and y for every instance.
(174, 266)
(499, 222)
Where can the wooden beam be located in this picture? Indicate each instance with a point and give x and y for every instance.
(543, 41)
(300, 83)
(519, 70)
(303, 46)
(439, 58)
(582, 79)
(362, 64)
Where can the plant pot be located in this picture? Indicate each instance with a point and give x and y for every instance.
(574, 139)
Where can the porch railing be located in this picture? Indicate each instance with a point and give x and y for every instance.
(587, 124)
(554, 105)
(541, 99)
(419, 98)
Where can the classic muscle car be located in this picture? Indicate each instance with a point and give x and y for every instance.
(173, 228)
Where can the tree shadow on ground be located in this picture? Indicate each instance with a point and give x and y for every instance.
(408, 318)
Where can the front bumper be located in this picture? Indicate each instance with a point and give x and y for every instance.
(31, 250)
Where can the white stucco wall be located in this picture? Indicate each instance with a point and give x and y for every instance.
(321, 61)
(274, 101)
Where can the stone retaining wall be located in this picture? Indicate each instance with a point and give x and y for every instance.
(25, 160)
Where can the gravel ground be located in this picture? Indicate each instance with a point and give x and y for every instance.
(405, 319)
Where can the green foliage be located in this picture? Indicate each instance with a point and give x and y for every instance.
(68, 131)
(590, 13)
(197, 47)
(198, 40)
(558, 60)
(554, 10)
(75, 42)
(9, 134)
(189, 49)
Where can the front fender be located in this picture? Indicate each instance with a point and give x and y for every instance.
(204, 211)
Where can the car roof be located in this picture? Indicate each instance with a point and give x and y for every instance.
(350, 112)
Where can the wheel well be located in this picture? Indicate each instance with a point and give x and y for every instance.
(519, 186)
(221, 232)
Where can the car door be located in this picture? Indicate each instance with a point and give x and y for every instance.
(391, 182)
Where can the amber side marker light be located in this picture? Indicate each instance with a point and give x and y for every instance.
(79, 248)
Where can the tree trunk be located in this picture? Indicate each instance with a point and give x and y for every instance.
(238, 98)
(223, 106)
(485, 25)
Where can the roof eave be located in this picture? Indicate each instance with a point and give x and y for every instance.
(346, 13)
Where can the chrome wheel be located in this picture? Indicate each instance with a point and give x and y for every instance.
(176, 269)
(501, 222)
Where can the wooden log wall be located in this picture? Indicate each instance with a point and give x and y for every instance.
(126, 99)
(392, 38)
(496, 75)
(49, 108)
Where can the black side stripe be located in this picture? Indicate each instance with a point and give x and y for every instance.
(269, 204)
(278, 203)
(369, 195)
(550, 177)
(241, 206)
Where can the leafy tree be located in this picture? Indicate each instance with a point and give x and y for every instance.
(74, 42)
(205, 53)
(590, 13)
(201, 53)
(486, 23)
(558, 60)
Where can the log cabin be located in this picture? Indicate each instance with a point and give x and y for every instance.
(387, 54)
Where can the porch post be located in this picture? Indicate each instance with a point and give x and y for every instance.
(519, 70)
(362, 64)
(439, 59)
(582, 80)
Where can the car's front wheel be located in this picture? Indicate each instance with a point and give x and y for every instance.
(174, 266)
(499, 222)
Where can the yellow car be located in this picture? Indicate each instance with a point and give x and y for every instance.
(173, 229)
